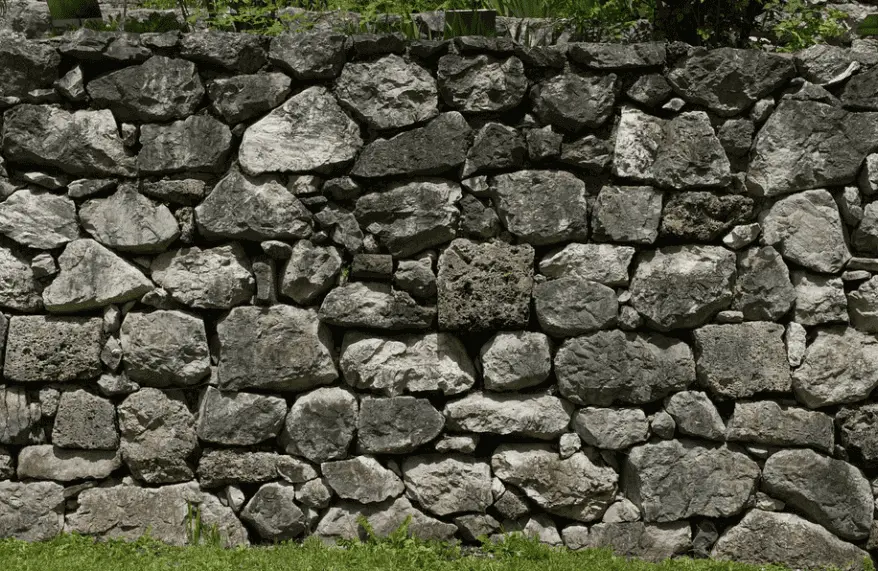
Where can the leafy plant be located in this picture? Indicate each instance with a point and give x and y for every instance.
(798, 25)
(869, 26)
(197, 533)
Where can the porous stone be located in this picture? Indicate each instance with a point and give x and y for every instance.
(678, 479)
(445, 485)
(20, 416)
(210, 278)
(197, 143)
(31, 511)
(652, 542)
(127, 221)
(831, 492)
(695, 415)
(682, 286)
(279, 347)
(515, 360)
(772, 424)
(819, 299)
(239, 419)
(576, 487)
(47, 462)
(310, 272)
(283, 140)
(309, 55)
(340, 522)
(362, 479)
(603, 263)
(575, 101)
(374, 305)
(397, 425)
(18, 287)
(177, 191)
(321, 424)
(85, 421)
(720, 368)
(703, 216)
(611, 428)
(627, 214)
(616, 367)
(570, 306)
(38, 219)
(536, 416)
(244, 53)
(836, 368)
(243, 97)
(763, 290)
(222, 467)
(273, 513)
(52, 349)
(484, 286)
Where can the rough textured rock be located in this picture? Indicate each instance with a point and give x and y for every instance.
(575, 487)
(831, 492)
(806, 545)
(484, 286)
(374, 305)
(772, 424)
(340, 522)
(515, 360)
(682, 286)
(221, 467)
(571, 306)
(283, 140)
(279, 347)
(575, 101)
(653, 542)
(362, 479)
(611, 428)
(53, 349)
(28, 65)
(85, 421)
(198, 143)
(836, 368)
(603, 263)
(20, 416)
(46, 462)
(252, 208)
(127, 221)
(720, 368)
(616, 367)
(320, 425)
(446, 485)
(160, 89)
(627, 214)
(164, 348)
(397, 425)
(273, 513)
(310, 272)
(411, 216)
(211, 278)
(856, 429)
(495, 147)
(32, 511)
(544, 417)
(388, 93)
(613, 56)
(703, 216)
(158, 436)
(763, 290)
(310, 55)
(244, 97)
(677, 479)
(819, 299)
(239, 419)
(481, 83)
(695, 415)
(82, 142)
(38, 219)
(244, 53)
(18, 288)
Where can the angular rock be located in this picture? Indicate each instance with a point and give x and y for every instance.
(652, 542)
(603, 263)
(374, 305)
(412, 216)
(865, 237)
(79, 143)
(617, 56)
(481, 83)
(46, 462)
(615, 367)
(575, 101)
(340, 522)
(52, 349)
(388, 93)
(611, 428)
(768, 423)
(857, 430)
(831, 492)
(198, 143)
(274, 515)
(535, 416)
(160, 89)
(495, 147)
(28, 65)
(212, 278)
(244, 97)
(244, 53)
(682, 286)
(221, 467)
(320, 426)
(650, 90)
(837, 368)
(38, 219)
(859, 92)
(703, 216)
(704, 78)
(819, 299)
(283, 140)
(165, 348)
(576, 487)
(32, 511)
(397, 425)
(571, 306)
(239, 419)
(20, 417)
(342, 227)
(310, 272)
(515, 360)
(627, 214)
(18, 288)
(362, 479)
(277, 348)
(85, 421)
(763, 290)
(127, 221)
(178, 191)
(446, 485)
(678, 479)
(252, 208)
(695, 415)
(309, 55)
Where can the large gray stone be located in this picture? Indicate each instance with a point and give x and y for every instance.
(85, 421)
(321, 424)
(158, 436)
(210, 278)
(617, 56)
(575, 101)
(222, 467)
(495, 147)
(616, 367)
(576, 487)
(740, 360)
(164, 348)
(397, 425)
(858, 431)
(703, 216)
(309, 55)
(341, 521)
(678, 479)
(53, 349)
(243, 97)
(362, 479)
(252, 208)
(279, 347)
(411, 216)
(160, 89)
(20, 416)
(437, 147)
(91, 276)
(310, 272)
(863, 306)
(19, 289)
(239, 419)
(571, 305)
(481, 83)
(543, 417)
(445, 485)
(515, 360)
(819, 299)
(728, 81)
(374, 305)
(32, 511)
(807, 230)
(603, 263)
(127, 221)
(27, 65)
(763, 290)
(627, 214)
(406, 363)
(38, 219)
(47, 462)
(283, 140)
(244, 53)
(859, 91)
(388, 93)
(837, 369)
(611, 428)
(831, 492)
(682, 286)
(81, 143)
(768, 423)
(484, 286)
(807, 144)
(805, 545)
(198, 143)
(652, 542)
(273, 514)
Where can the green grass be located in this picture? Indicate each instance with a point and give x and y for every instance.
(75, 553)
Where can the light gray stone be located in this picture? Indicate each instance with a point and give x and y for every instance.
(18, 287)
(85, 421)
(31, 511)
(466, 444)
(611, 428)
(445, 485)
(52, 349)
(362, 479)
(603, 263)
(819, 299)
(771, 424)
(763, 290)
(273, 514)
(623, 511)
(571, 305)
(652, 542)
(310, 272)
(837, 368)
(38, 219)
(20, 416)
(46, 462)
(856, 430)
(575, 101)
(542, 528)
(627, 214)
(210, 278)
(127, 221)
(515, 360)
(481, 83)
(473, 526)
(197, 143)
(340, 521)
(244, 97)
(397, 425)
(221, 467)
(374, 305)
(543, 417)
(742, 235)
(695, 415)
(165, 348)
(321, 424)
(239, 419)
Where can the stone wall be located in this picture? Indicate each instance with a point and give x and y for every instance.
(610, 295)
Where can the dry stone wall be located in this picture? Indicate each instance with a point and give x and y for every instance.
(608, 295)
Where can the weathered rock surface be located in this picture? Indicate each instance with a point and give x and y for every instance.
(18, 288)
(703, 216)
(198, 143)
(544, 417)
(495, 147)
(617, 56)
(695, 415)
(47, 462)
(32, 511)
(20, 416)
(515, 360)
(772, 424)
(819, 299)
(164, 348)
(211, 278)
(321, 424)
(362, 479)
(38, 219)
(340, 522)
(221, 467)
(244, 53)
(481, 83)
(127, 221)
(28, 65)
(627, 214)
(239, 419)
(53, 349)
(856, 430)
(611, 428)
(575, 101)
(652, 542)
(603, 263)
(309, 55)
(243, 97)
(274, 515)
(445, 485)
(571, 306)
(374, 305)
(85, 421)
(397, 425)
(837, 368)
(763, 290)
